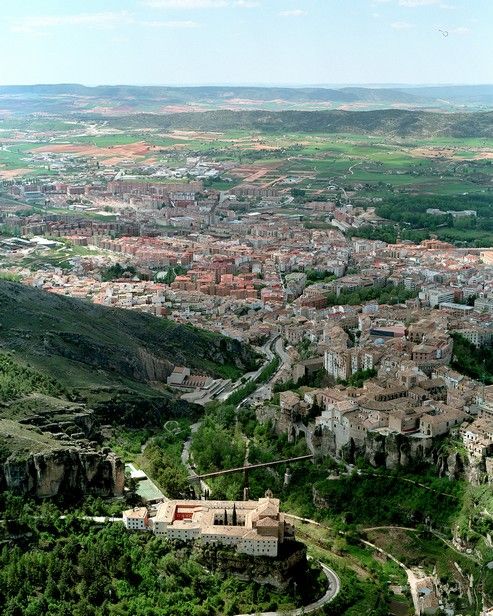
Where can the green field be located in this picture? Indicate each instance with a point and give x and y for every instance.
(356, 168)
(370, 164)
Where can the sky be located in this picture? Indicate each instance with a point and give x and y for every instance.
(192, 42)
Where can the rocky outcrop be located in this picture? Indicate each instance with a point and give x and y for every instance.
(141, 365)
(450, 465)
(222, 350)
(290, 566)
(395, 450)
(153, 368)
(392, 450)
(72, 472)
(53, 448)
(324, 442)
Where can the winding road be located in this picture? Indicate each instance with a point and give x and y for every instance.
(266, 349)
(411, 577)
(332, 591)
(185, 458)
(276, 346)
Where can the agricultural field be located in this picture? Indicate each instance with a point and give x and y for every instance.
(367, 170)
(315, 163)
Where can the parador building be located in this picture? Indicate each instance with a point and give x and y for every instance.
(252, 527)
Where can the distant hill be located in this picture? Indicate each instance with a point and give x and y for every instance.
(391, 122)
(458, 95)
(75, 98)
(211, 94)
(387, 95)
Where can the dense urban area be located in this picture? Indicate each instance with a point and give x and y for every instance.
(245, 368)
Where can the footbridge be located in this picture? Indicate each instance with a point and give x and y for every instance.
(250, 467)
(246, 469)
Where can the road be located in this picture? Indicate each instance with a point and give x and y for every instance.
(266, 350)
(333, 589)
(281, 352)
(185, 457)
(274, 346)
(411, 577)
(99, 519)
(264, 392)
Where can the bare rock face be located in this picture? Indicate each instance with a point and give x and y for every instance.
(153, 368)
(324, 441)
(451, 466)
(395, 450)
(54, 450)
(279, 572)
(69, 471)
(488, 468)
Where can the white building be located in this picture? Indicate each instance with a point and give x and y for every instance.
(252, 527)
(136, 519)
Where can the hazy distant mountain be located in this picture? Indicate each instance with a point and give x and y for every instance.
(385, 95)
(458, 95)
(72, 98)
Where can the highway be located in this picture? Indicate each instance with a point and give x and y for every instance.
(264, 392)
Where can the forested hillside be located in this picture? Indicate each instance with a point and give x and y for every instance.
(85, 344)
(389, 122)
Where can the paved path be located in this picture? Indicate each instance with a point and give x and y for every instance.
(412, 481)
(264, 391)
(307, 520)
(412, 530)
(185, 457)
(99, 519)
(332, 592)
(411, 577)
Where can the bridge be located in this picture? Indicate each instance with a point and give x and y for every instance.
(250, 467)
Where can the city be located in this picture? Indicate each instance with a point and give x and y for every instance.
(246, 325)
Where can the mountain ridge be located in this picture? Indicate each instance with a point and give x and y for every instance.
(73, 98)
(393, 122)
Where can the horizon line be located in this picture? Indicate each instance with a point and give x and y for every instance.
(251, 85)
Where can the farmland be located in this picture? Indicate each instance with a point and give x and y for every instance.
(364, 170)
(311, 162)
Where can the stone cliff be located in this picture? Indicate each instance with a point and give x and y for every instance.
(290, 566)
(50, 446)
(392, 450)
(68, 471)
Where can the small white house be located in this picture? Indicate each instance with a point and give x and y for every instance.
(136, 519)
